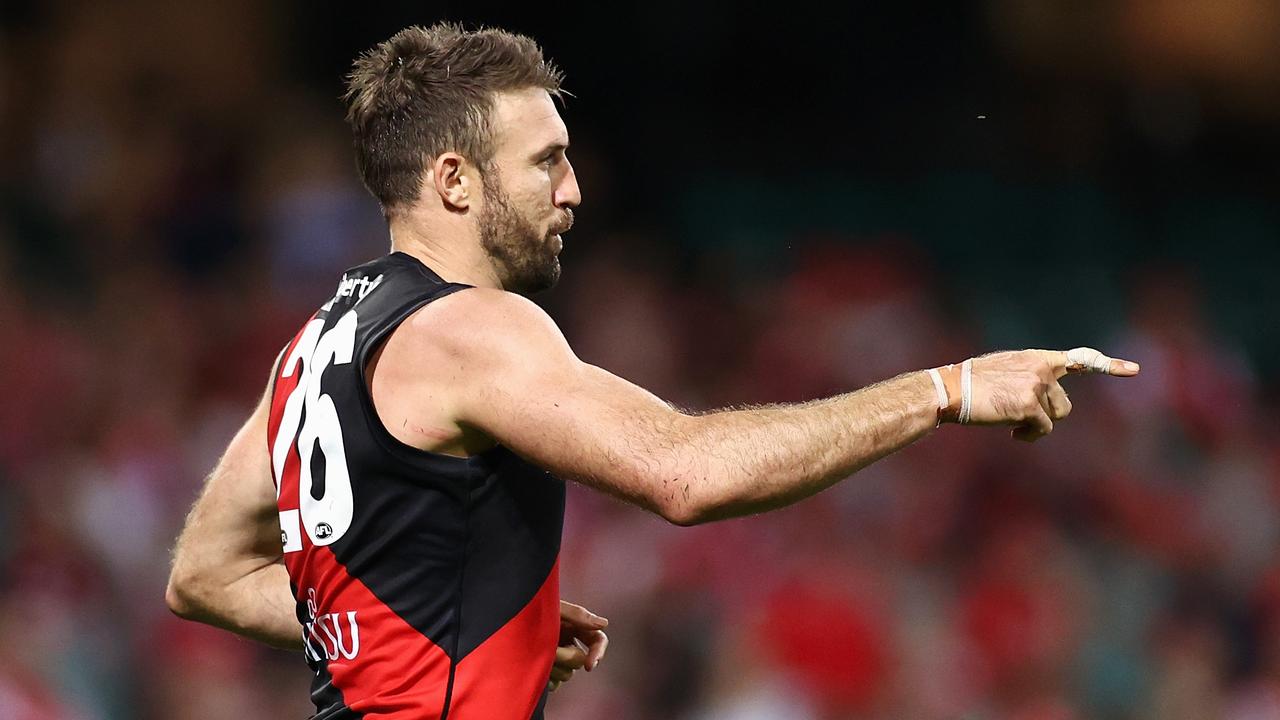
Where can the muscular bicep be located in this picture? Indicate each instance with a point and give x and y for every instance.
(520, 383)
(585, 424)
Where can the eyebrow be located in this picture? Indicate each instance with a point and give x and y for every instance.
(553, 148)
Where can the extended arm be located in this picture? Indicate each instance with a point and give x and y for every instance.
(502, 367)
(227, 568)
(589, 425)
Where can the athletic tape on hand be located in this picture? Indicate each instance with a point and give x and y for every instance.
(940, 388)
(1083, 358)
(966, 391)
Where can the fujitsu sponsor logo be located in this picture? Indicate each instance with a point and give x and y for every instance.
(330, 636)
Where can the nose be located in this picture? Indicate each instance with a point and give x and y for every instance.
(567, 194)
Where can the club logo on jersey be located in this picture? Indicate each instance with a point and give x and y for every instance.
(330, 636)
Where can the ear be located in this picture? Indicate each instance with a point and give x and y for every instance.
(454, 180)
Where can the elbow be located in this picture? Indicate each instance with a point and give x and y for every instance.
(685, 509)
(180, 595)
(177, 599)
(677, 516)
(684, 518)
(683, 501)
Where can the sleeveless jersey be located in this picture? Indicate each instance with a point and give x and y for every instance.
(427, 585)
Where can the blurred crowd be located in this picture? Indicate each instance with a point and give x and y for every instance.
(161, 236)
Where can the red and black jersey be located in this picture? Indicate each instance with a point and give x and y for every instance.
(427, 584)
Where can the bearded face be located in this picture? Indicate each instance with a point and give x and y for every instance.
(524, 251)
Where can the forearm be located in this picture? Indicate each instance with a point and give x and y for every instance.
(738, 462)
(258, 605)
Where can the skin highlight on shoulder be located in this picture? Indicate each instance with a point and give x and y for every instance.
(442, 356)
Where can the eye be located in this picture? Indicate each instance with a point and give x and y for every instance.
(552, 158)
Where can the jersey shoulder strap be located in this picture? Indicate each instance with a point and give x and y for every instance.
(384, 293)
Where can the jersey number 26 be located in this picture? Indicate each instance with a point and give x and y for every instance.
(326, 514)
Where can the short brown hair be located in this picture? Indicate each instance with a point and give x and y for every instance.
(431, 90)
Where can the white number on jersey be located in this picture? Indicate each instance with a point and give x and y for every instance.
(328, 518)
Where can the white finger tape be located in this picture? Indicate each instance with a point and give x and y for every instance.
(1088, 358)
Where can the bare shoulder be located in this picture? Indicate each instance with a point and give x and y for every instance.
(462, 360)
(484, 324)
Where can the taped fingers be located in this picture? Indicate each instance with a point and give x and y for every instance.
(1088, 360)
(1083, 359)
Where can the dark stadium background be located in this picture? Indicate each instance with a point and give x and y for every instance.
(780, 202)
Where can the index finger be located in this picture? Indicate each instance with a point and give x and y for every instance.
(1087, 360)
(581, 617)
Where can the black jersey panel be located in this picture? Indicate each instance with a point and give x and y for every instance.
(406, 547)
(515, 523)
(327, 696)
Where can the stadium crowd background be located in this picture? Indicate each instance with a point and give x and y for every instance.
(779, 204)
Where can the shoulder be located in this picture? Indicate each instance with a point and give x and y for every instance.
(484, 324)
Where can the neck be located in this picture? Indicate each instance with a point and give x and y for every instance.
(449, 246)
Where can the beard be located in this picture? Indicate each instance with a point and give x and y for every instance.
(526, 258)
